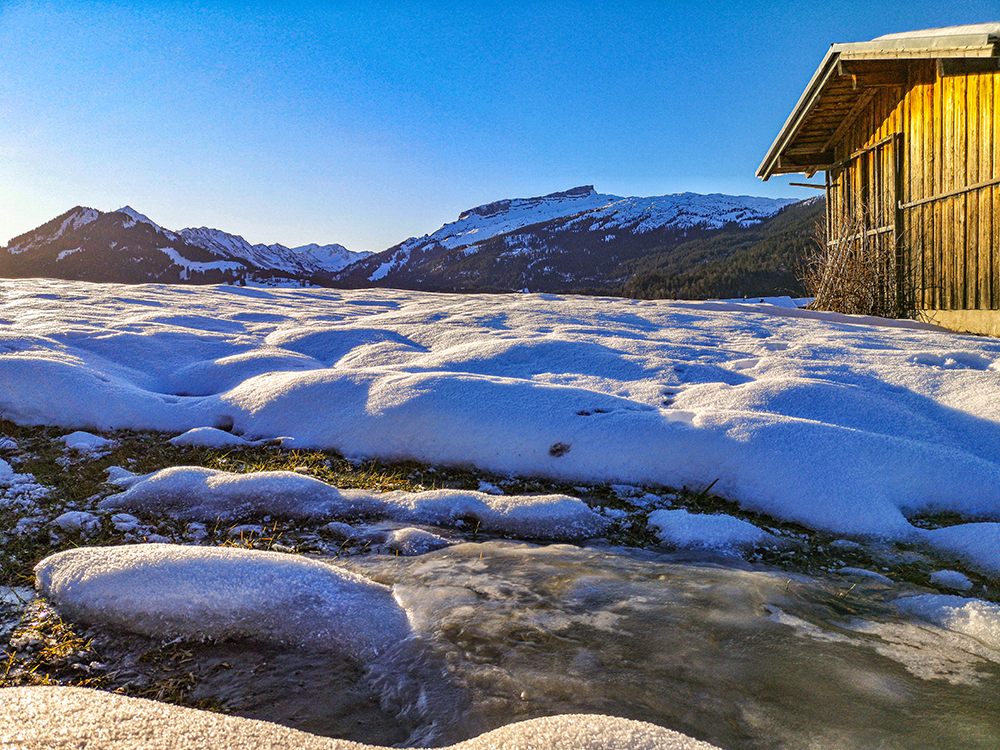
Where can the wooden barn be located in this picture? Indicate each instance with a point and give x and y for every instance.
(906, 129)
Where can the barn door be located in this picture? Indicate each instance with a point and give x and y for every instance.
(863, 228)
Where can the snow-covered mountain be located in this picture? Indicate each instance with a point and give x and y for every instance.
(306, 260)
(576, 239)
(127, 246)
(549, 238)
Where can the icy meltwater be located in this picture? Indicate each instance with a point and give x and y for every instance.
(740, 658)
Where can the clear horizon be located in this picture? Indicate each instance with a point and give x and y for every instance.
(364, 125)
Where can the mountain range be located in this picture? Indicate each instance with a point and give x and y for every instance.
(125, 246)
(574, 240)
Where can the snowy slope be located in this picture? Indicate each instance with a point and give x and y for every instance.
(53, 230)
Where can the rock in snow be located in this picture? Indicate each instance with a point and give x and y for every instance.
(61, 718)
(219, 593)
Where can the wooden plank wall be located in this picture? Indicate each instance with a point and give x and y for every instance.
(951, 140)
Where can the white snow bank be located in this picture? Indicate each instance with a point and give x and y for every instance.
(683, 529)
(973, 617)
(976, 543)
(198, 494)
(842, 423)
(219, 593)
(61, 718)
(85, 442)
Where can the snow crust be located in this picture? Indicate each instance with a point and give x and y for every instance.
(219, 593)
(206, 495)
(60, 718)
(846, 424)
(976, 543)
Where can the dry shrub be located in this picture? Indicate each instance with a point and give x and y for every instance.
(855, 271)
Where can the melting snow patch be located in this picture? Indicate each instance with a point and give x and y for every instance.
(78, 521)
(498, 382)
(210, 437)
(976, 543)
(683, 529)
(19, 491)
(220, 593)
(85, 442)
(411, 541)
(951, 579)
(198, 494)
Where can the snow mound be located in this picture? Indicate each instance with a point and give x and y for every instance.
(683, 529)
(61, 718)
(951, 579)
(216, 593)
(209, 437)
(973, 617)
(206, 495)
(85, 442)
(976, 543)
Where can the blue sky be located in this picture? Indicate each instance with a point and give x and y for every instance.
(365, 123)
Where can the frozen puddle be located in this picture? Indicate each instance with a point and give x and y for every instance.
(741, 659)
(503, 632)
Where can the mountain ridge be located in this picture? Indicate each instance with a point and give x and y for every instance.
(563, 240)
(128, 247)
(571, 240)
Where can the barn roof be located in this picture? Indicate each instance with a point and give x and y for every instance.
(849, 77)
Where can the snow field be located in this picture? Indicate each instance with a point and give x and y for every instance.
(847, 425)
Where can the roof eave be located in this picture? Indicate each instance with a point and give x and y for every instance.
(962, 45)
(790, 128)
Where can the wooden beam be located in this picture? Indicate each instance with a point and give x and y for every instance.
(807, 185)
(846, 123)
(819, 160)
(950, 193)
